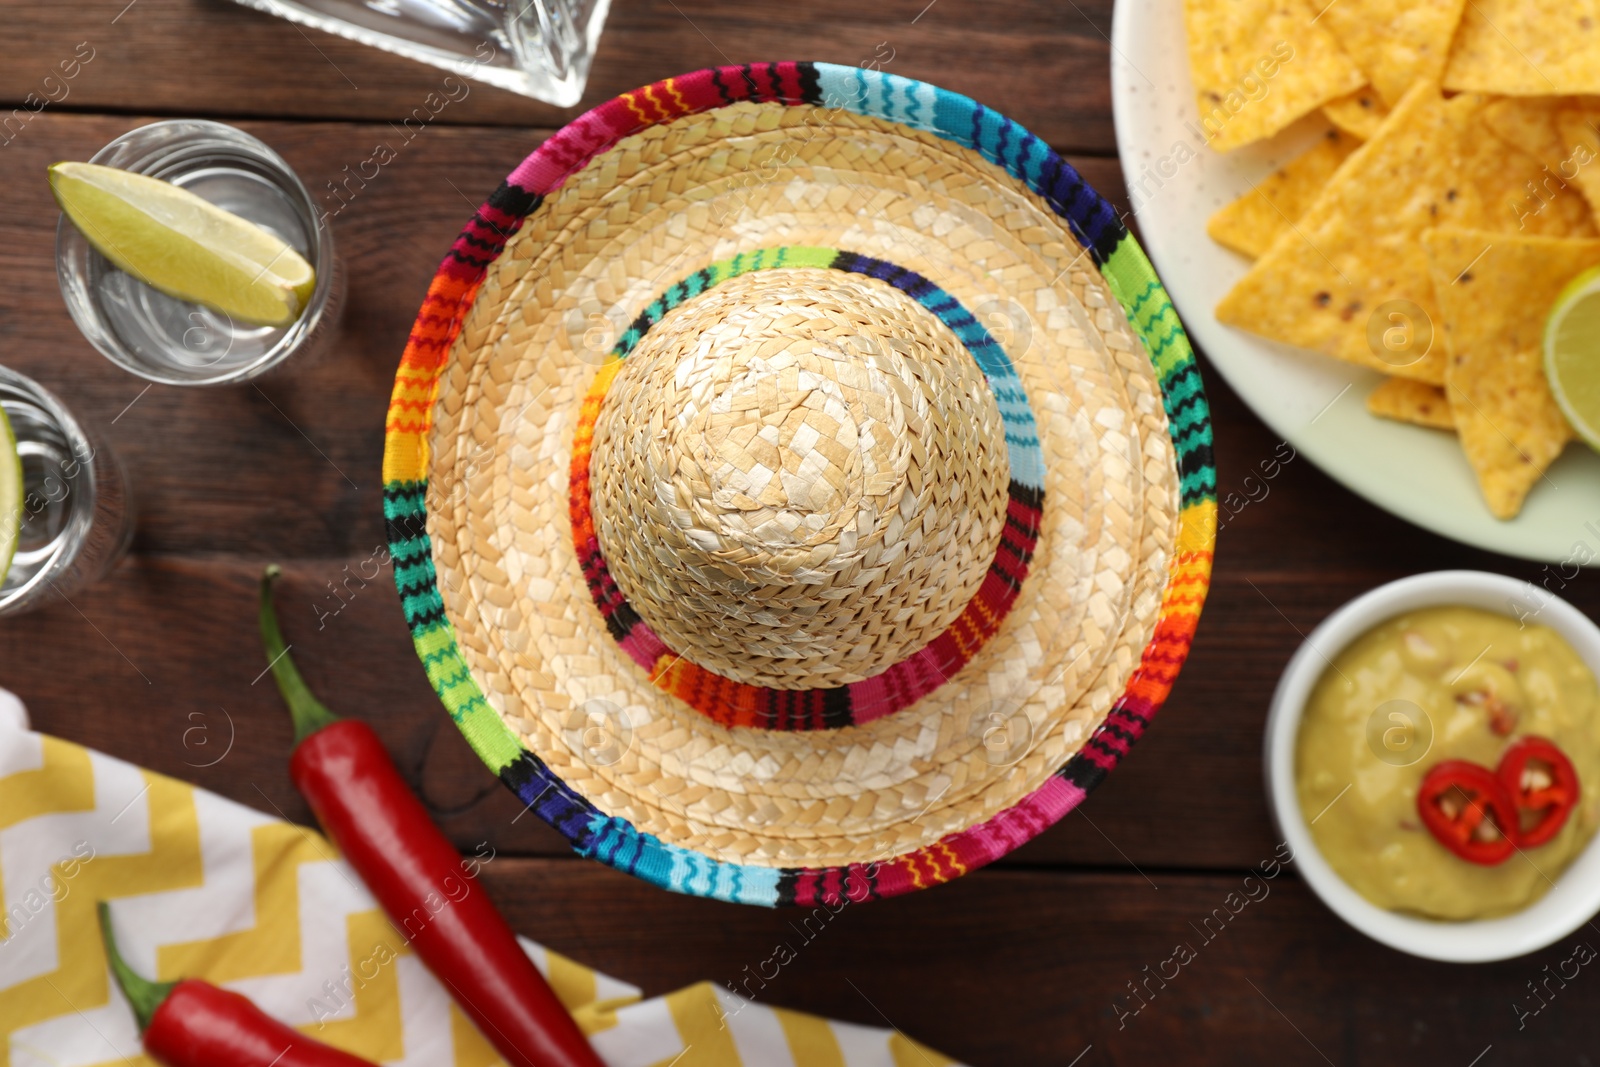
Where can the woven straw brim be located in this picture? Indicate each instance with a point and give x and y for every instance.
(668, 200)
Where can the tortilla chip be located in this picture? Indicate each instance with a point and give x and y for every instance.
(1356, 252)
(1395, 42)
(1359, 114)
(1260, 64)
(1250, 223)
(1527, 48)
(1533, 124)
(1494, 292)
(1529, 123)
(1410, 401)
(1579, 129)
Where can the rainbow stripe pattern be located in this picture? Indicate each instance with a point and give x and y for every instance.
(734, 703)
(1127, 274)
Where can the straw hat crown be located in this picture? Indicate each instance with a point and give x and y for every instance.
(799, 478)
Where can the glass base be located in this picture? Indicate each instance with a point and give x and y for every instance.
(537, 48)
(174, 342)
(77, 520)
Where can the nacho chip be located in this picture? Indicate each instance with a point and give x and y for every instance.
(1250, 223)
(1395, 42)
(1527, 48)
(1359, 114)
(1533, 124)
(1494, 291)
(1260, 64)
(1410, 401)
(1337, 280)
(1579, 129)
(1529, 123)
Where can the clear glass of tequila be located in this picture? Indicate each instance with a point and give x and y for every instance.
(77, 519)
(539, 48)
(174, 342)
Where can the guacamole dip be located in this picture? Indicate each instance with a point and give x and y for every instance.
(1438, 684)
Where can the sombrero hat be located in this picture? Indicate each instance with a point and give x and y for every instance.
(799, 485)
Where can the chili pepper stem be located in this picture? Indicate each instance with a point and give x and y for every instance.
(144, 996)
(309, 713)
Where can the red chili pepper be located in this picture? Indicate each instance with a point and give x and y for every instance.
(194, 1024)
(1543, 787)
(364, 804)
(1469, 811)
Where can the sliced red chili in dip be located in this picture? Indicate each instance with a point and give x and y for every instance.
(1468, 810)
(1543, 786)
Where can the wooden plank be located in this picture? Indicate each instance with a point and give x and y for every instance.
(292, 467)
(1045, 64)
(1028, 962)
(290, 472)
(254, 475)
(160, 664)
(1009, 967)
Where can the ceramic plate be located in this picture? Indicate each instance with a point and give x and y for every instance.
(1317, 404)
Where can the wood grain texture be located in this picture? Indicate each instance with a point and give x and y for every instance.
(214, 57)
(1013, 967)
(1022, 963)
(229, 479)
(291, 467)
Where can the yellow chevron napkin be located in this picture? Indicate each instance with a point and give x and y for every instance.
(207, 888)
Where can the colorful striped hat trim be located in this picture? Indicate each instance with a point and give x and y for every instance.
(734, 703)
(1127, 274)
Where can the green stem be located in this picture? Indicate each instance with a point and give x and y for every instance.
(309, 713)
(143, 995)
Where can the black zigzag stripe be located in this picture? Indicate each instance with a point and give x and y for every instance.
(621, 621)
(837, 708)
(1121, 732)
(521, 771)
(492, 247)
(1027, 495)
(409, 528)
(787, 877)
(810, 83)
(1083, 772)
(471, 261)
(514, 200)
(1196, 460)
(1196, 399)
(722, 90)
(423, 619)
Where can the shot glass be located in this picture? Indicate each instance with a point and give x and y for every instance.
(77, 518)
(539, 48)
(177, 343)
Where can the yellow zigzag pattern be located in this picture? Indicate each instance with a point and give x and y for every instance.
(64, 784)
(173, 862)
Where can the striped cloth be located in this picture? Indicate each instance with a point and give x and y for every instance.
(204, 887)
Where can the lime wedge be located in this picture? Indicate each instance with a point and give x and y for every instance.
(10, 495)
(186, 247)
(1572, 354)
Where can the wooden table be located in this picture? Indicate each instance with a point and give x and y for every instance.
(1019, 963)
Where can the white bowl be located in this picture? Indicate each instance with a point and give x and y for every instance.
(1576, 895)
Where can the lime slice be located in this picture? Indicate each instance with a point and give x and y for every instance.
(187, 247)
(10, 495)
(1572, 354)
